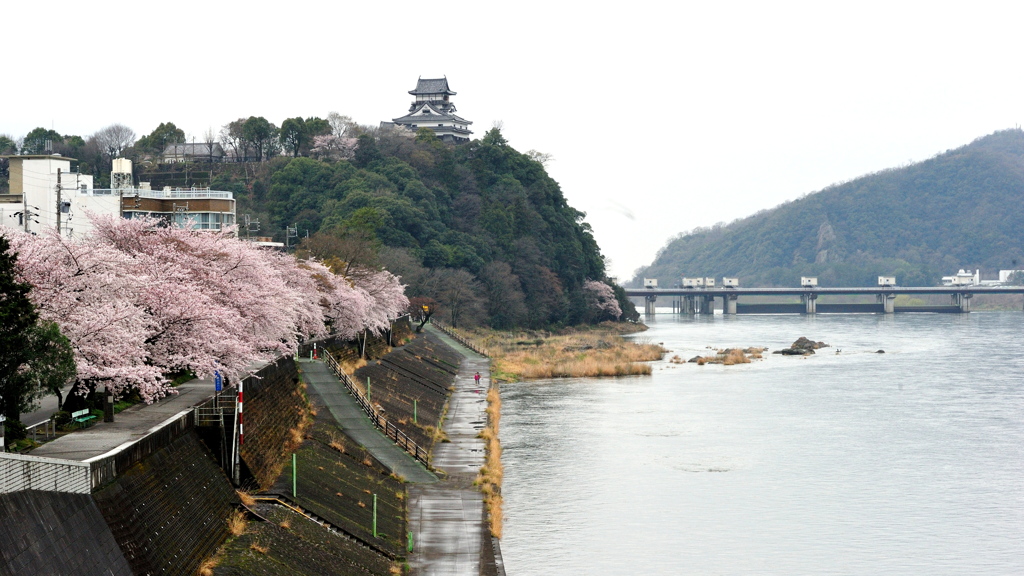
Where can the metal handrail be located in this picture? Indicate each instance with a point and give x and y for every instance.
(460, 339)
(390, 430)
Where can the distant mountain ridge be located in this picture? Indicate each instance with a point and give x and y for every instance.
(960, 209)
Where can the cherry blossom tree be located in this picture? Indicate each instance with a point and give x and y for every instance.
(139, 301)
(601, 297)
(331, 146)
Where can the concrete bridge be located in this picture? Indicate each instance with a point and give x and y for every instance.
(702, 300)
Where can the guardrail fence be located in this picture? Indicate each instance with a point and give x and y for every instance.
(460, 338)
(24, 472)
(389, 429)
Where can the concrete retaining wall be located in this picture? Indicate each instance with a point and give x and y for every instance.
(56, 534)
(169, 511)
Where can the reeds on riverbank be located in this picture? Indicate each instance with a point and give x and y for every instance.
(576, 353)
(492, 473)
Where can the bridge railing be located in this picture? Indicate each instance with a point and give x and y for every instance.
(390, 430)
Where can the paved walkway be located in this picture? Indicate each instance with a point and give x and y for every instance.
(447, 519)
(357, 425)
(47, 406)
(128, 426)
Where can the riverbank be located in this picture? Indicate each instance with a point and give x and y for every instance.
(577, 352)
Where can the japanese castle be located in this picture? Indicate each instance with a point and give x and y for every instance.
(433, 109)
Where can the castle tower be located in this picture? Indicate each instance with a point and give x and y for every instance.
(432, 108)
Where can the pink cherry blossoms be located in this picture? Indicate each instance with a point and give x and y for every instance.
(602, 297)
(139, 301)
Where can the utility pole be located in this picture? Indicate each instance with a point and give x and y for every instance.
(58, 202)
(24, 210)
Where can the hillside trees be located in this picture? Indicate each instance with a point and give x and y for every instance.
(260, 136)
(162, 136)
(36, 141)
(297, 135)
(447, 208)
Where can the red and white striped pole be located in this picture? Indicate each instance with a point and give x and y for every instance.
(241, 414)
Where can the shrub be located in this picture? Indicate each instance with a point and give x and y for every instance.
(14, 430)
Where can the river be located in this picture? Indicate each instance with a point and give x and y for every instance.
(907, 462)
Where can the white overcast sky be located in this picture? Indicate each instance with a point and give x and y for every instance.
(661, 116)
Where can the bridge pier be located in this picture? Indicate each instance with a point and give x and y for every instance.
(810, 301)
(963, 300)
(649, 304)
(689, 305)
(888, 302)
(707, 305)
(729, 304)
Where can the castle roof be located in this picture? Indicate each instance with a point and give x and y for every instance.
(429, 113)
(432, 86)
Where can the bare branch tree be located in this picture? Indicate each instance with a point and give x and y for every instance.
(114, 139)
(542, 157)
(209, 138)
(341, 126)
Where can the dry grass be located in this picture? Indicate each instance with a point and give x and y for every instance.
(286, 524)
(237, 523)
(731, 356)
(395, 568)
(493, 472)
(246, 498)
(350, 366)
(206, 568)
(734, 356)
(438, 434)
(580, 352)
(255, 547)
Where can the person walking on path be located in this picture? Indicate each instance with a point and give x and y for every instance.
(476, 379)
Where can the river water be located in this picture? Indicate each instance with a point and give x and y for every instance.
(907, 462)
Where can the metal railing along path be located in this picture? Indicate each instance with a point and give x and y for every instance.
(460, 339)
(389, 429)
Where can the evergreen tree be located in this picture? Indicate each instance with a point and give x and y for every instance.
(17, 317)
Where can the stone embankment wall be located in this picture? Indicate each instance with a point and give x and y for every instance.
(169, 511)
(56, 533)
(422, 371)
(274, 407)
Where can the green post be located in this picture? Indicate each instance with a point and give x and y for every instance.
(408, 545)
(374, 515)
(368, 389)
(414, 421)
(295, 475)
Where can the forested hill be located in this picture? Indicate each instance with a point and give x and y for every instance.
(960, 209)
(478, 231)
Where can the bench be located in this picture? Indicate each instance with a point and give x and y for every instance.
(81, 416)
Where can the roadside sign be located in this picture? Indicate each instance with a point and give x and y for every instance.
(218, 382)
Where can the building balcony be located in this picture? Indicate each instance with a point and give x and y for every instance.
(178, 194)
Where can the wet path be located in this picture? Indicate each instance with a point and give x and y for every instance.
(447, 519)
(357, 426)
